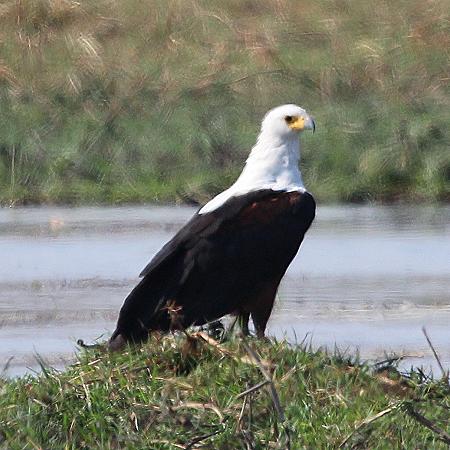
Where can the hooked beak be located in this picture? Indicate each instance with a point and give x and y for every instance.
(310, 124)
(300, 123)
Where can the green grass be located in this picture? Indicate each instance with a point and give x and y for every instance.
(131, 101)
(172, 391)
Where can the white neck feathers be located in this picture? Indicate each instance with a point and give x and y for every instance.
(272, 164)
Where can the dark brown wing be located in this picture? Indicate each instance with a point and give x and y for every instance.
(201, 225)
(217, 260)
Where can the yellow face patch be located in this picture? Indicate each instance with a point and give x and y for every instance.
(295, 122)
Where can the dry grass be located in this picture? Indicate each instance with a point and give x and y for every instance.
(192, 392)
(138, 100)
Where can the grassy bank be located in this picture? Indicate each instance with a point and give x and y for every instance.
(114, 101)
(179, 393)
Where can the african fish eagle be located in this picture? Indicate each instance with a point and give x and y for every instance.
(230, 257)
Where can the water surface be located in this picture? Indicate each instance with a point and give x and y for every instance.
(366, 278)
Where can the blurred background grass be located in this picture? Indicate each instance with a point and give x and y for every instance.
(152, 100)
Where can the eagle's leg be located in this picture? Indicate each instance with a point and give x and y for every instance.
(243, 318)
(261, 313)
(260, 324)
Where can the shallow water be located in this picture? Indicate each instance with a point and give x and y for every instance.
(366, 278)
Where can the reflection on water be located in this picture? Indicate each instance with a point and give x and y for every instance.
(366, 278)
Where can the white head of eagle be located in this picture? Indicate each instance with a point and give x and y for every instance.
(273, 161)
(230, 257)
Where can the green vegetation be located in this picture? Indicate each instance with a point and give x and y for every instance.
(155, 100)
(183, 392)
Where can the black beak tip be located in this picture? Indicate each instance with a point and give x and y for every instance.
(313, 125)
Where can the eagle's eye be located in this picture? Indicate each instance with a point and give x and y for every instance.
(289, 119)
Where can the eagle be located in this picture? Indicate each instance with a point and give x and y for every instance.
(231, 256)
